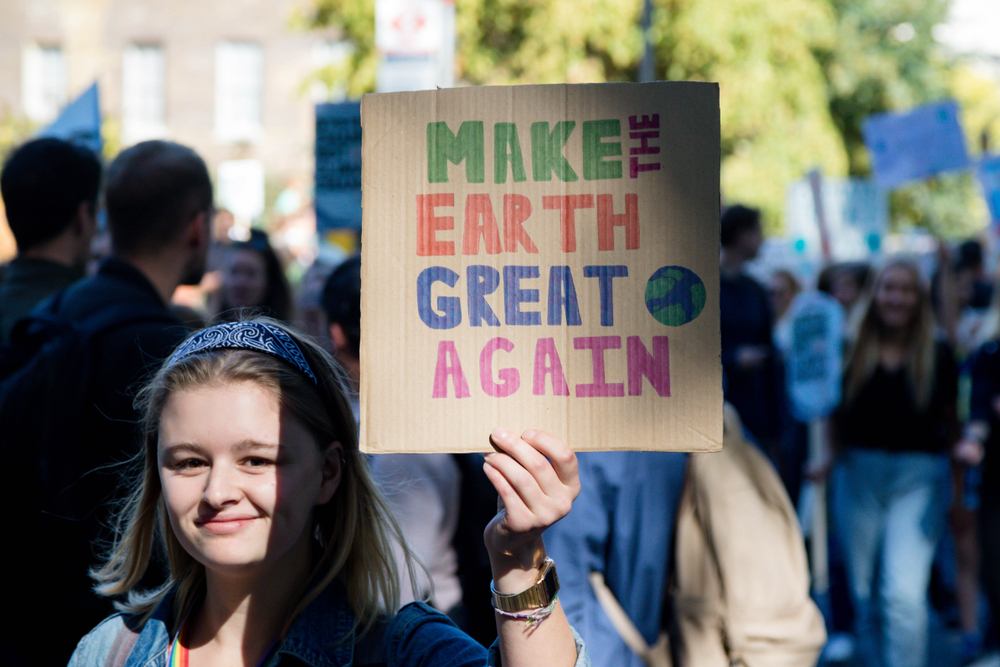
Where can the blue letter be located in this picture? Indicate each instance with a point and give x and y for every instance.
(514, 296)
(605, 274)
(449, 308)
(562, 295)
(481, 280)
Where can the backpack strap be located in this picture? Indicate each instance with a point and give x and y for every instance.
(657, 655)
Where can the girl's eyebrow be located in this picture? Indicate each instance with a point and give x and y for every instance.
(241, 446)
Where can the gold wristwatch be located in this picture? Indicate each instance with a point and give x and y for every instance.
(540, 595)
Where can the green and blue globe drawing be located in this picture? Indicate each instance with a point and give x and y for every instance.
(675, 295)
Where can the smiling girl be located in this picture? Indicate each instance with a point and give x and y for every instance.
(278, 544)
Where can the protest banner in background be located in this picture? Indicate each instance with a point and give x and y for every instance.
(989, 180)
(541, 256)
(857, 217)
(816, 331)
(338, 167)
(915, 145)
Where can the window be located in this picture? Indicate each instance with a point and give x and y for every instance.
(43, 81)
(143, 93)
(239, 90)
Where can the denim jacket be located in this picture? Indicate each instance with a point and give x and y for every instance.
(322, 636)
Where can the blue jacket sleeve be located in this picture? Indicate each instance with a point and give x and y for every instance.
(579, 543)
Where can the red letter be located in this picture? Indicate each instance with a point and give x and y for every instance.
(607, 220)
(516, 209)
(547, 362)
(655, 367)
(567, 205)
(510, 380)
(480, 221)
(597, 345)
(428, 224)
(449, 365)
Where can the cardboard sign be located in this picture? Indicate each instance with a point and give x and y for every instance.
(338, 166)
(915, 145)
(814, 359)
(989, 180)
(541, 256)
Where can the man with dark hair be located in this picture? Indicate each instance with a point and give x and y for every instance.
(751, 367)
(50, 189)
(159, 205)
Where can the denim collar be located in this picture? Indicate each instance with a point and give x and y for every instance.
(322, 635)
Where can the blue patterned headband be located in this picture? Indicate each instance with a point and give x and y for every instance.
(249, 335)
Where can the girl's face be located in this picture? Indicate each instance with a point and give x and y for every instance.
(241, 477)
(897, 297)
(245, 278)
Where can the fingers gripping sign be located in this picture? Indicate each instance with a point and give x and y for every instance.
(537, 479)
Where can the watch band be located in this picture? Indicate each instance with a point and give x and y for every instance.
(541, 594)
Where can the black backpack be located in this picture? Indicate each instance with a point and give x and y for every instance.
(46, 376)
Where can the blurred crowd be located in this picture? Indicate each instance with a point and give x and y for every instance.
(909, 462)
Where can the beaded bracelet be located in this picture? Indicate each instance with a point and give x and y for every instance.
(532, 617)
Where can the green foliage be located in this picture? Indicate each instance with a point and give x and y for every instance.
(883, 59)
(775, 120)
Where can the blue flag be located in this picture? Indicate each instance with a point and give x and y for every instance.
(79, 121)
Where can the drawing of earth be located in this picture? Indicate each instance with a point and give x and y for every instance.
(675, 295)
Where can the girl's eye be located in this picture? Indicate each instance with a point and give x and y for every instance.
(187, 464)
(258, 462)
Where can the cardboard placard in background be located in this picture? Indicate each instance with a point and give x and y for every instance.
(338, 167)
(541, 256)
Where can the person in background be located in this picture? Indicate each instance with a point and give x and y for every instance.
(158, 197)
(783, 290)
(253, 279)
(750, 363)
(50, 190)
(441, 501)
(893, 432)
(847, 282)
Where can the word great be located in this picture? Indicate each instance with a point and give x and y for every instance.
(547, 369)
(483, 280)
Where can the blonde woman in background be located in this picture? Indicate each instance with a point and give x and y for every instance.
(894, 431)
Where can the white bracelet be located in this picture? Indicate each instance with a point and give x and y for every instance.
(532, 617)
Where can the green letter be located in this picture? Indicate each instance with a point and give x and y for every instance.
(547, 151)
(594, 150)
(507, 150)
(444, 147)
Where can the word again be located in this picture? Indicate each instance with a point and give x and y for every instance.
(547, 369)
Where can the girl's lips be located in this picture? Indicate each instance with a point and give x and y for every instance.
(224, 525)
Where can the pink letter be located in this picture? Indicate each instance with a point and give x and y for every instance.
(510, 380)
(449, 365)
(547, 362)
(597, 345)
(655, 367)
(516, 209)
(567, 205)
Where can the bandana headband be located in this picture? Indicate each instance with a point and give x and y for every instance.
(248, 335)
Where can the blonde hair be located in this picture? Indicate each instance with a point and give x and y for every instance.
(863, 359)
(355, 527)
